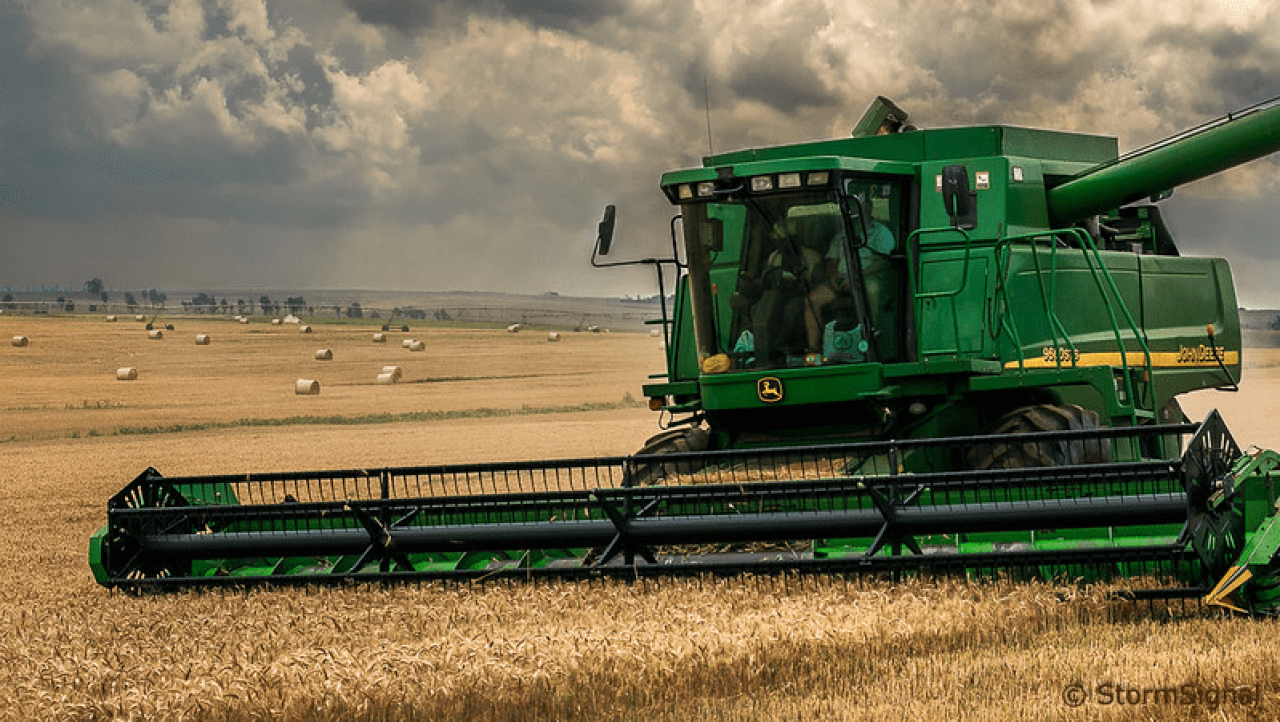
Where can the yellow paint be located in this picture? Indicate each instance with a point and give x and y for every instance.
(1193, 357)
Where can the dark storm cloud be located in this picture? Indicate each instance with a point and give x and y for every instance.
(411, 16)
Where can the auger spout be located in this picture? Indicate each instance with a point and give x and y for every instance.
(1197, 153)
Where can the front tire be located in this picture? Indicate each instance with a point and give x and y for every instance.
(1056, 452)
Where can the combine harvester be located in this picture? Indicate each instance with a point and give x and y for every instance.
(953, 350)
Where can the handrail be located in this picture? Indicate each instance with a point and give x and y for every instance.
(1103, 280)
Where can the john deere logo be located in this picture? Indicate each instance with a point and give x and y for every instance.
(769, 389)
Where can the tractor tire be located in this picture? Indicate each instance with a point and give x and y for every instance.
(676, 441)
(1031, 419)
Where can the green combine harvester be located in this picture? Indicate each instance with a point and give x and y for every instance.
(943, 351)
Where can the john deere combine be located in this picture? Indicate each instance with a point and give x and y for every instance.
(953, 350)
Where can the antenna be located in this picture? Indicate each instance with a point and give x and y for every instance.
(706, 103)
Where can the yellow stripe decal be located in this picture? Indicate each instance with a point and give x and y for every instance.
(1184, 357)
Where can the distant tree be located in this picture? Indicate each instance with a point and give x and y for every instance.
(204, 303)
(240, 304)
(93, 287)
(7, 300)
(225, 306)
(265, 302)
(156, 298)
(295, 304)
(129, 301)
(354, 310)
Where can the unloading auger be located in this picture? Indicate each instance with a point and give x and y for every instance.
(878, 508)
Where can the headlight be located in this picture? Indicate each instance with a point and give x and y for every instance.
(685, 192)
(706, 189)
(789, 180)
(761, 183)
(819, 178)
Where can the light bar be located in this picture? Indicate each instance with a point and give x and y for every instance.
(761, 183)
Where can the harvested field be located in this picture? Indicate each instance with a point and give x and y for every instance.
(71, 435)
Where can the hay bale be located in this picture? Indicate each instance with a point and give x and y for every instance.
(276, 322)
(21, 340)
(155, 334)
(324, 354)
(140, 317)
(244, 319)
(304, 329)
(407, 343)
(379, 338)
(553, 337)
(656, 333)
(418, 346)
(393, 370)
(128, 373)
(385, 379)
(202, 339)
(111, 319)
(306, 387)
(514, 328)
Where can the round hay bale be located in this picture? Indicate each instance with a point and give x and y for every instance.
(553, 337)
(155, 334)
(514, 328)
(202, 339)
(111, 319)
(306, 387)
(304, 329)
(244, 319)
(385, 379)
(393, 370)
(324, 354)
(276, 322)
(128, 373)
(407, 343)
(379, 338)
(418, 346)
(21, 340)
(140, 317)
(656, 333)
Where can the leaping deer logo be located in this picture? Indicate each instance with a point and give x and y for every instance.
(769, 389)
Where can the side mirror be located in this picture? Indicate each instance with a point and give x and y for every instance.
(960, 202)
(604, 233)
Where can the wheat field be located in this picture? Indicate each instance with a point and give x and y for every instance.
(751, 649)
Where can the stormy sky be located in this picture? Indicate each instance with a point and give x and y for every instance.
(471, 144)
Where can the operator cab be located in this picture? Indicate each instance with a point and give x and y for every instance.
(801, 276)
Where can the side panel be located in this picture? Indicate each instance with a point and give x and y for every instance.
(1182, 297)
(952, 303)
